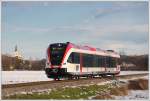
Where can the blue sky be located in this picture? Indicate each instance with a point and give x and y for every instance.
(32, 26)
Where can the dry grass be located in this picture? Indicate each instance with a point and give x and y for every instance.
(106, 96)
(84, 92)
(119, 91)
(139, 84)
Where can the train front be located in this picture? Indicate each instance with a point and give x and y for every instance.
(55, 55)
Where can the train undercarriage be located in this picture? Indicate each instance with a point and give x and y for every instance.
(61, 73)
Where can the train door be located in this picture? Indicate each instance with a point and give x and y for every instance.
(74, 62)
(110, 65)
(81, 62)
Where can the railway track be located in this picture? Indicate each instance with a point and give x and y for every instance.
(42, 86)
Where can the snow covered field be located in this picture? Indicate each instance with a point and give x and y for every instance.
(12, 77)
(132, 72)
(135, 95)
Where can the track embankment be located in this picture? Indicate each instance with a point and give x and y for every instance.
(44, 86)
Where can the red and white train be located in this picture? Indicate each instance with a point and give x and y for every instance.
(67, 60)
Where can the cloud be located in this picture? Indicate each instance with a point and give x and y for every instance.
(115, 29)
(20, 29)
(133, 33)
(130, 4)
(104, 12)
(117, 7)
(104, 33)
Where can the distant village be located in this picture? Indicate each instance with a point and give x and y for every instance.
(17, 62)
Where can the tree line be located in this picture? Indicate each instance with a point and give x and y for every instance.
(14, 63)
(136, 62)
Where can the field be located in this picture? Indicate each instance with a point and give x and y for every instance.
(124, 88)
(11, 77)
(111, 90)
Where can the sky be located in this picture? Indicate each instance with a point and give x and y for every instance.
(118, 25)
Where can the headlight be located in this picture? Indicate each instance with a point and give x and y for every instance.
(55, 70)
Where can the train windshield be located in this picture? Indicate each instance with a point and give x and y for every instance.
(57, 52)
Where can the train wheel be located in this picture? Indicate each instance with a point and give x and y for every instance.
(70, 77)
(57, 79)
(93, 76)
(90, 76)
(103, 76)
(100, 76)
(77, 77)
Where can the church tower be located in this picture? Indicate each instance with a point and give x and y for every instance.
(16, 48)
(17, 53)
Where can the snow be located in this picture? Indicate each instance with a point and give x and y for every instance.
(133, 78)
(132, 72)
(13, 77)
(135, 95)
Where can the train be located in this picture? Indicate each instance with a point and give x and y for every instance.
(69, 60)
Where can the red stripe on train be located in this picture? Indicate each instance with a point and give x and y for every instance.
(81, 63)
(69, 46)
(48, 53)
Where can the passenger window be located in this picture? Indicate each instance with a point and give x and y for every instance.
(70, 58)
(74, 58)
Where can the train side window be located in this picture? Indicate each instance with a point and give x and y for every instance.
(114, 62)
(74, 58)
(83, 60)
(104, 61)
(86, 60)
(107, 61)
(101, 61)
(90, 60)
(95, 61)
(110, 62)
(70, 59)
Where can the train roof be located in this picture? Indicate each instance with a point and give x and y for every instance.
(111, 52)
(89, 48)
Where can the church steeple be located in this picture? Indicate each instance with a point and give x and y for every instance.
(16, 48)
(17, 53)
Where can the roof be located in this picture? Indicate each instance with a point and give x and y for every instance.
(92, 49)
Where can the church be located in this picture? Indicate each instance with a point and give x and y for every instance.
(17, 54)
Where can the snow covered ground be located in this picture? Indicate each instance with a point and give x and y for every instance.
(131, 72)
(135, 95)
(13, 77)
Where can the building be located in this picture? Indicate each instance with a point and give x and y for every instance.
(17, 60)
(17, 54)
